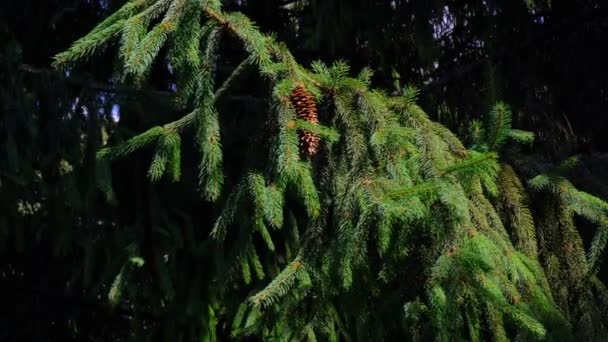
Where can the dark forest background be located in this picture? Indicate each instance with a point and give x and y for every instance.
(548, 61)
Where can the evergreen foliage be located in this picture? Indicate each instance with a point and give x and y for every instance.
(395, 229)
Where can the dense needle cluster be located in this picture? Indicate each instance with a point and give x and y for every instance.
(306, 110)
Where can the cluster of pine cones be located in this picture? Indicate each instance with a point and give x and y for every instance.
(306, 110)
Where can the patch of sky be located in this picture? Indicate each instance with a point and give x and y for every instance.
(116, 112)
(443, 24)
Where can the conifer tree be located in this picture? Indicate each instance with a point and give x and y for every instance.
(358, 218)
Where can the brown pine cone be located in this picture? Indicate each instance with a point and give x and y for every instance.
(306, 109)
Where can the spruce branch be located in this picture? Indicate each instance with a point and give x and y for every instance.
(389, 171)
(105, 30)
(149, 136)
(475, 165)
(243, 65)
(499, 122)
(208, 127)
(280, 286)
(521, 137)
(131, 145)
(167, 157)
(115, 293)
(592, 208)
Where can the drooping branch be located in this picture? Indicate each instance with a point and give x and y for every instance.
(178, 125)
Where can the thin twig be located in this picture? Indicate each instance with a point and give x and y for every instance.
(108, 88)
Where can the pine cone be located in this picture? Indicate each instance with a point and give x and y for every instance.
(306, 109)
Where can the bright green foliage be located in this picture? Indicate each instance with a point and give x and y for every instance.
(496, 130)
(167, 158)
(131, 145)
(279, 287)
(513, 205)
(394, 224)
(99, 36)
